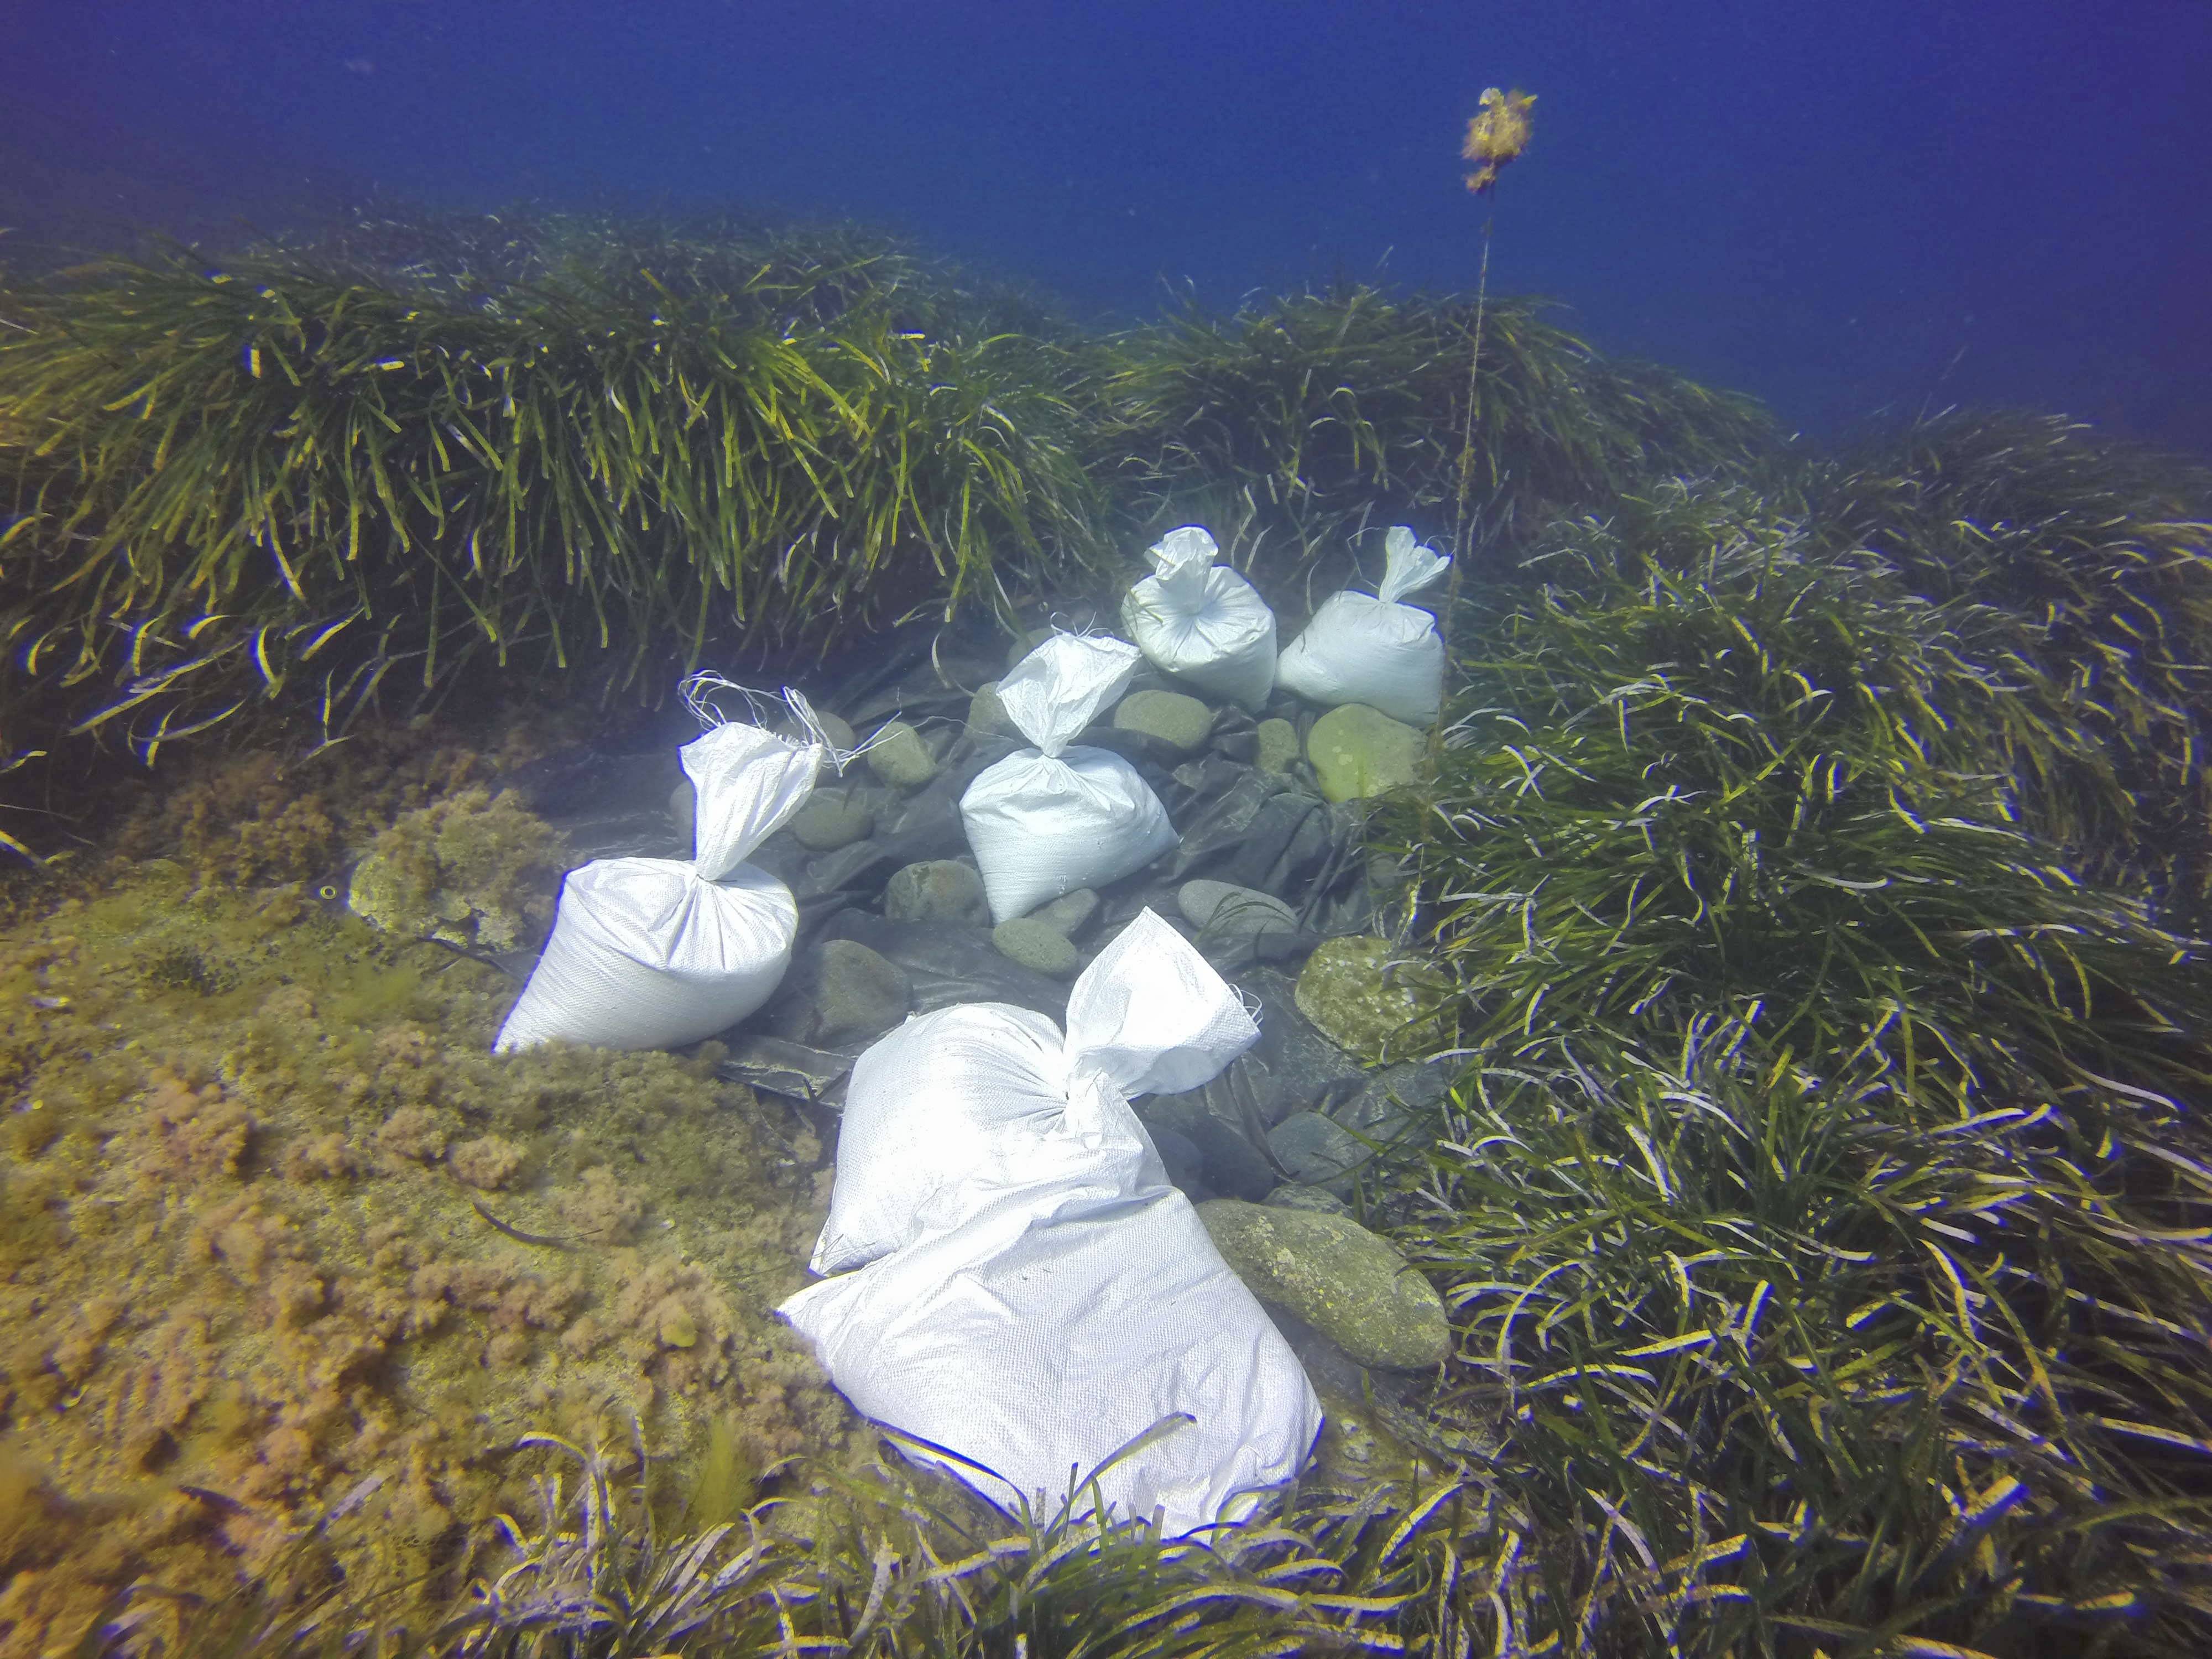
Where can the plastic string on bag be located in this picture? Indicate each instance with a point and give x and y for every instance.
(697, 693)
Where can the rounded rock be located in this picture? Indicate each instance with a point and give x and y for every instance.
(1068, 915)
(987, 715)
(1307, 1198)
(840, 995)
(898, 755)
(1223, 907)
(1279, 746)
(1181, 722)
(1366, 998)
(1357, 751)
(1036, 947)
(833, 818)
(1344, 1281)
(937, 889)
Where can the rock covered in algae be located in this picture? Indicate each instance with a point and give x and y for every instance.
(1357, 751)
(1278, 747)
(837, 994)
(937, 889)
(898, 755)
(1373, 1000)
(1223, 907)
(475, 870)
(1294, 1197)
(281, 1230)
(1068, 915)
(1327, 1270)
(1181, 723)
(831, 819)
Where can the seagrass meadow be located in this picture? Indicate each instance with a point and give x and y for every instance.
(1816, 845)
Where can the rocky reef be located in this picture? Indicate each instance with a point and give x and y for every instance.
(473, 869)
(280, 1239)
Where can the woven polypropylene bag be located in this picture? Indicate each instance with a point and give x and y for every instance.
(1201, 623)
(653, 953)
(986, 1097)
(1375, 651)
(1027, 1292)
(1048, 820)
(1049, 1332)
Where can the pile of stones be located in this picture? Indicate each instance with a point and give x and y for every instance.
(1271, 881)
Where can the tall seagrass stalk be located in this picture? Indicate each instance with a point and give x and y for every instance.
(1495, 136)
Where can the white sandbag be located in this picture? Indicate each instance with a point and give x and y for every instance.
(1029, 1293)
(653, 953)
(1046, 821)
(957, 1106)
(1376, 651)
(1034, 1348)
(1202, 623)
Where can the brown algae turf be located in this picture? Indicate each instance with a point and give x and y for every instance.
(274, 1224)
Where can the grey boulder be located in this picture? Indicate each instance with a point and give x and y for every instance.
(898, 755)
(1068, 915)
(1181, 723)
(1307, 1198)
(1279, 746)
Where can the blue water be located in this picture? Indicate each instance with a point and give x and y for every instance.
(1843, 209)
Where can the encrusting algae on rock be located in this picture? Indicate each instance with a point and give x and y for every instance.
(471, 870)
(279, 1235)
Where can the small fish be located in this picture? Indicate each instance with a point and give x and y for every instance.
(207, 1495)
(335, 886)
(517, 1234)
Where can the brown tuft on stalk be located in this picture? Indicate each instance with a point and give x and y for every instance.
(1498, 135)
